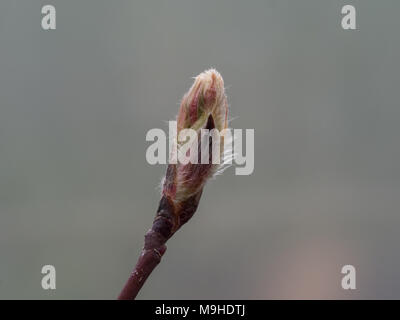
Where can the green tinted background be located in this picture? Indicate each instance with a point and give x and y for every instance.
(76, 190)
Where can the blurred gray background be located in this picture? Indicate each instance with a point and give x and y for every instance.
(76, 190)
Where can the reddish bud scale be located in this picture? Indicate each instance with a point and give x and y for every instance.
(193, 110)
(204, 106)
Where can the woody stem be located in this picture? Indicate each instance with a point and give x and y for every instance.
(148, 260)
(168, 220)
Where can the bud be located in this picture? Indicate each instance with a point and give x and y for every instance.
(204, 106)
(205, 98)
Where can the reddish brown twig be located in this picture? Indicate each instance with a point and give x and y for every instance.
(148, 260)
(168, 220)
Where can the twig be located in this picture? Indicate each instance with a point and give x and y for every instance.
(168, 220)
